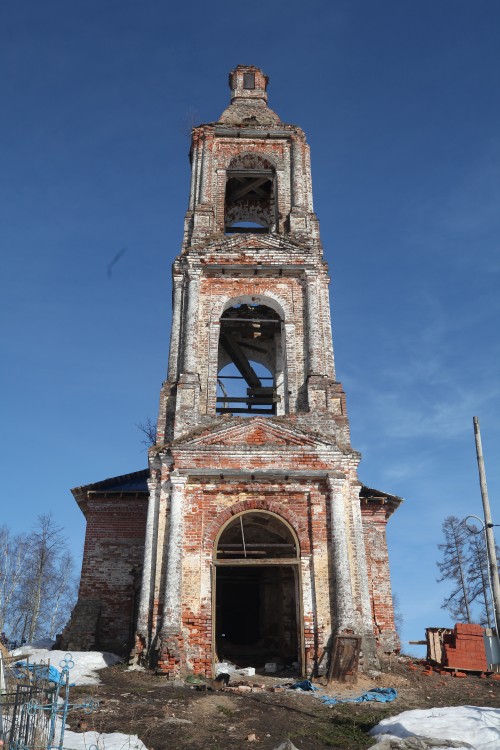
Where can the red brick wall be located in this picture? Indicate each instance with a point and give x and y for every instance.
(112, 558)
(374, 528)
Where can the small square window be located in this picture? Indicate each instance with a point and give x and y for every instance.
(248, 80)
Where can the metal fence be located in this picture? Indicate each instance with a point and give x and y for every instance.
(23, 723)
(34, 705)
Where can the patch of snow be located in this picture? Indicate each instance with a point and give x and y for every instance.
(114, 741)
(87, 663)
(42, 643)
(474, 726)
(226, 667)
(389, 742)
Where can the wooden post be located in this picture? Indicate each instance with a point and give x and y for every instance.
(490, 539)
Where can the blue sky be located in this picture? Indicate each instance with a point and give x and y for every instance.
(400, 102)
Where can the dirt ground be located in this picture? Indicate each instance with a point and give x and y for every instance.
(180, 716)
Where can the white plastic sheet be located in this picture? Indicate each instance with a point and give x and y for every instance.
(476, 726)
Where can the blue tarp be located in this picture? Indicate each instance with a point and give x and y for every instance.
(304, 685)
(381, 695)
(42, 671)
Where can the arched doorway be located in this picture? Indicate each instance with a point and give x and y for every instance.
(256, 592)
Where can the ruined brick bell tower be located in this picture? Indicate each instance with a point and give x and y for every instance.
(260, 540)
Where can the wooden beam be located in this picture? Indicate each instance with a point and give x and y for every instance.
(235, 195)
(239, 358)
(228, 319)
(252, 346)
(249, 410)
(265, 561)
(240, 546)
(250, 400)
(249, 173)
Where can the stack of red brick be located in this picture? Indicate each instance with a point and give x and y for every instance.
(464, 648)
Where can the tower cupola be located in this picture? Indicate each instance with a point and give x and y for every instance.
(248, 107)
(248, 82)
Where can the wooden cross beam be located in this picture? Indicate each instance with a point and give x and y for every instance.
(240, 360)
(247, 187)
(252, 346)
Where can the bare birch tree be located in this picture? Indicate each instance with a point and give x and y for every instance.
(62, 594)
(45, 543)
(37, 585)
(453, 568)
(13, 554)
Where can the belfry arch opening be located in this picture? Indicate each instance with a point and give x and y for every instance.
(256, 582)
(250, 365)
(250, 204)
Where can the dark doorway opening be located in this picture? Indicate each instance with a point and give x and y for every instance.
(257, 615)
(257, 601)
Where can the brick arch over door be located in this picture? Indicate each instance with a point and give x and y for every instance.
(298, 524)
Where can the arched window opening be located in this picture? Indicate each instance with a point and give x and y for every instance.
(250, 361)
(250, 198)
(256, 536)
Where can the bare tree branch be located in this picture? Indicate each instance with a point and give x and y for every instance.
(148, 429)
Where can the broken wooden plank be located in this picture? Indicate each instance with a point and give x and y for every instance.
(248, 410)
(345, 657)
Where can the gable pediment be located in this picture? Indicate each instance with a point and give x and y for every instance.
(253, 432)
(263, 242)
(240, 242)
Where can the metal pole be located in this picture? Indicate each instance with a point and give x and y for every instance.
(490, 539)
